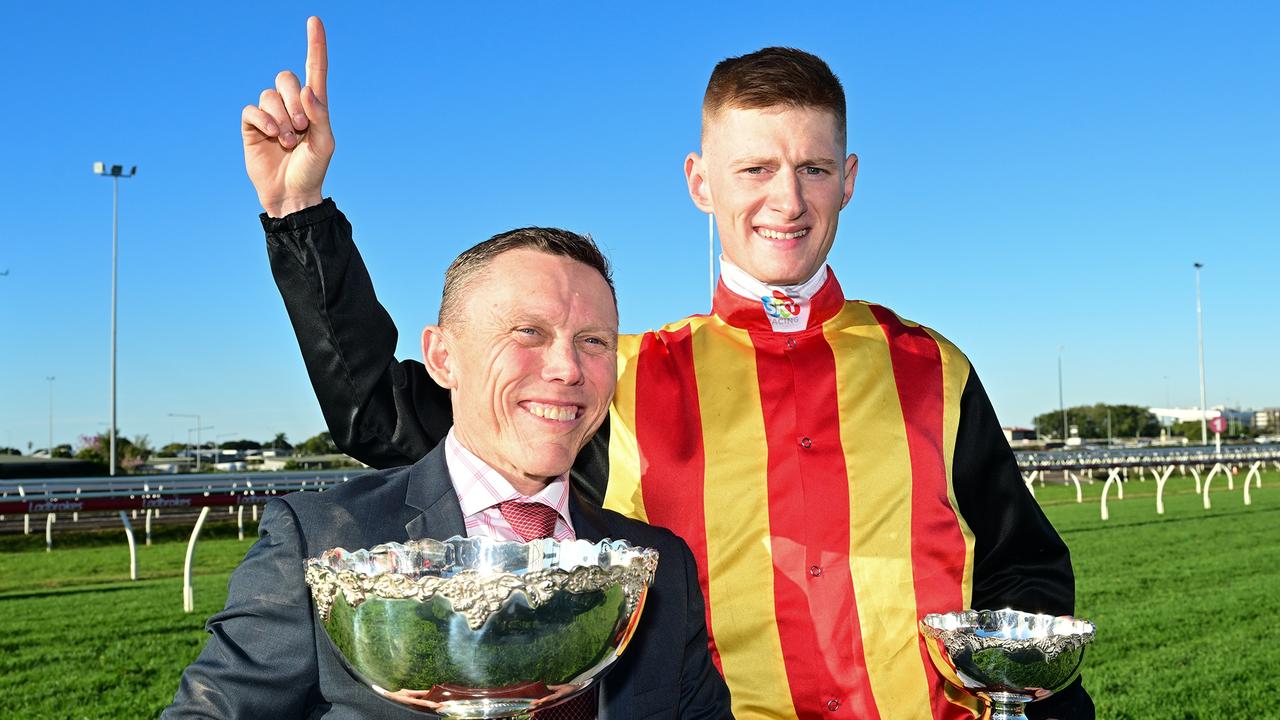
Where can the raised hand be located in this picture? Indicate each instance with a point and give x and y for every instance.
(287, 138)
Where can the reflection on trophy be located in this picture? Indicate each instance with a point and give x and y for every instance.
(478, 628)
(1006, 657)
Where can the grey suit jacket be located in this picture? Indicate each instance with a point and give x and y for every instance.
(268, 658)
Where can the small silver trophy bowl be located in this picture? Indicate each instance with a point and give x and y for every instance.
(1006, 657)
(477, 628)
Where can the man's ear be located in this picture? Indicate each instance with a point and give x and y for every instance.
(695, 175)
(850, 174)
(437, 357)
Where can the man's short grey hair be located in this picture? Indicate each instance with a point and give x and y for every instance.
(553, 241)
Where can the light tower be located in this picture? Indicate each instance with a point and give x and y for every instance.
(115, 172)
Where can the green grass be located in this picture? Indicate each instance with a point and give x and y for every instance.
(78, 639)
(1186, 605)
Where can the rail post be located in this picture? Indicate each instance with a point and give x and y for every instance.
(1075, 479)
(1255, 474)
(188, 592)
(133, 545)
(26, 517)
(1112, 478)
(1162, 477)
(1217, 468)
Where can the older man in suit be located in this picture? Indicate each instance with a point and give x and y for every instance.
(526, 346)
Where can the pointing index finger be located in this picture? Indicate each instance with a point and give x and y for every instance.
(317, 59)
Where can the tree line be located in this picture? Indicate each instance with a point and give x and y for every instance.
(1120, 421)
(135, 451)
(1099, 421)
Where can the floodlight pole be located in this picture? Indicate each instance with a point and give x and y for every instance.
(115, 172)
(1204, 410)
(199, 426)
(50, 378)
(1061, 406)
(199, 442)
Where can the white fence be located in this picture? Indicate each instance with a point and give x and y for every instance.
(1203, 464)
(152, 494)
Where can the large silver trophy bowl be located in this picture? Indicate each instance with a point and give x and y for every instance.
(1006, 657)
(476, 628)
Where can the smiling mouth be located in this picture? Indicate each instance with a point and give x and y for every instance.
(560, 413)
(777, 235)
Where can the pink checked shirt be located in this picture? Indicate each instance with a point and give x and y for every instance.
(481, 489)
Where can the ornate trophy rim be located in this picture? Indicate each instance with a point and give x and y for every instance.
(548, 566)
(1054, 634)
(1006, 657)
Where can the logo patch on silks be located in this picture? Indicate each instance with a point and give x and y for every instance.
(785, 313)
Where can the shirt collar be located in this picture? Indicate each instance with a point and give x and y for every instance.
(480, 487)
(744, 302)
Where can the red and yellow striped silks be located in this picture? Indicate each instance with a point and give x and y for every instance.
(810, 473)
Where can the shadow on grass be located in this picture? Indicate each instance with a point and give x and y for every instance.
(112, 586)
(1163, 520)
(220, 529)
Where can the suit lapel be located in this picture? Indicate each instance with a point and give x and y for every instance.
(430, 500)
(588, 520)
(433, 509)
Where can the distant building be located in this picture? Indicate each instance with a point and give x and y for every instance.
(1236, 418)
(1173, 416)
(1017, 434)
(1267, 419)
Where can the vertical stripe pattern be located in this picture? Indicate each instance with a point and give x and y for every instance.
(623, 494)
(669, 434)
(809, 473)
(809, 517)
(880, 483)
(739, 552)
(955, 373)
(940, 563)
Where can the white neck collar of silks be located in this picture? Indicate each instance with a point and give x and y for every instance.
(786, 306)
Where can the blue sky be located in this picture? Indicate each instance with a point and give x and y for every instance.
(1031, 178)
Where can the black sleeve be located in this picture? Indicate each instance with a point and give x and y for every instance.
(1019, 560)
(381, 412)
(260, 659)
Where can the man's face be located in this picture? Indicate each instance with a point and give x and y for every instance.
(776, 180)
(532, 365)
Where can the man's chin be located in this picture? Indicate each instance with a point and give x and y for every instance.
(548, 468)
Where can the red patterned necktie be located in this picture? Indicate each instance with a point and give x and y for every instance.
(531, 521)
